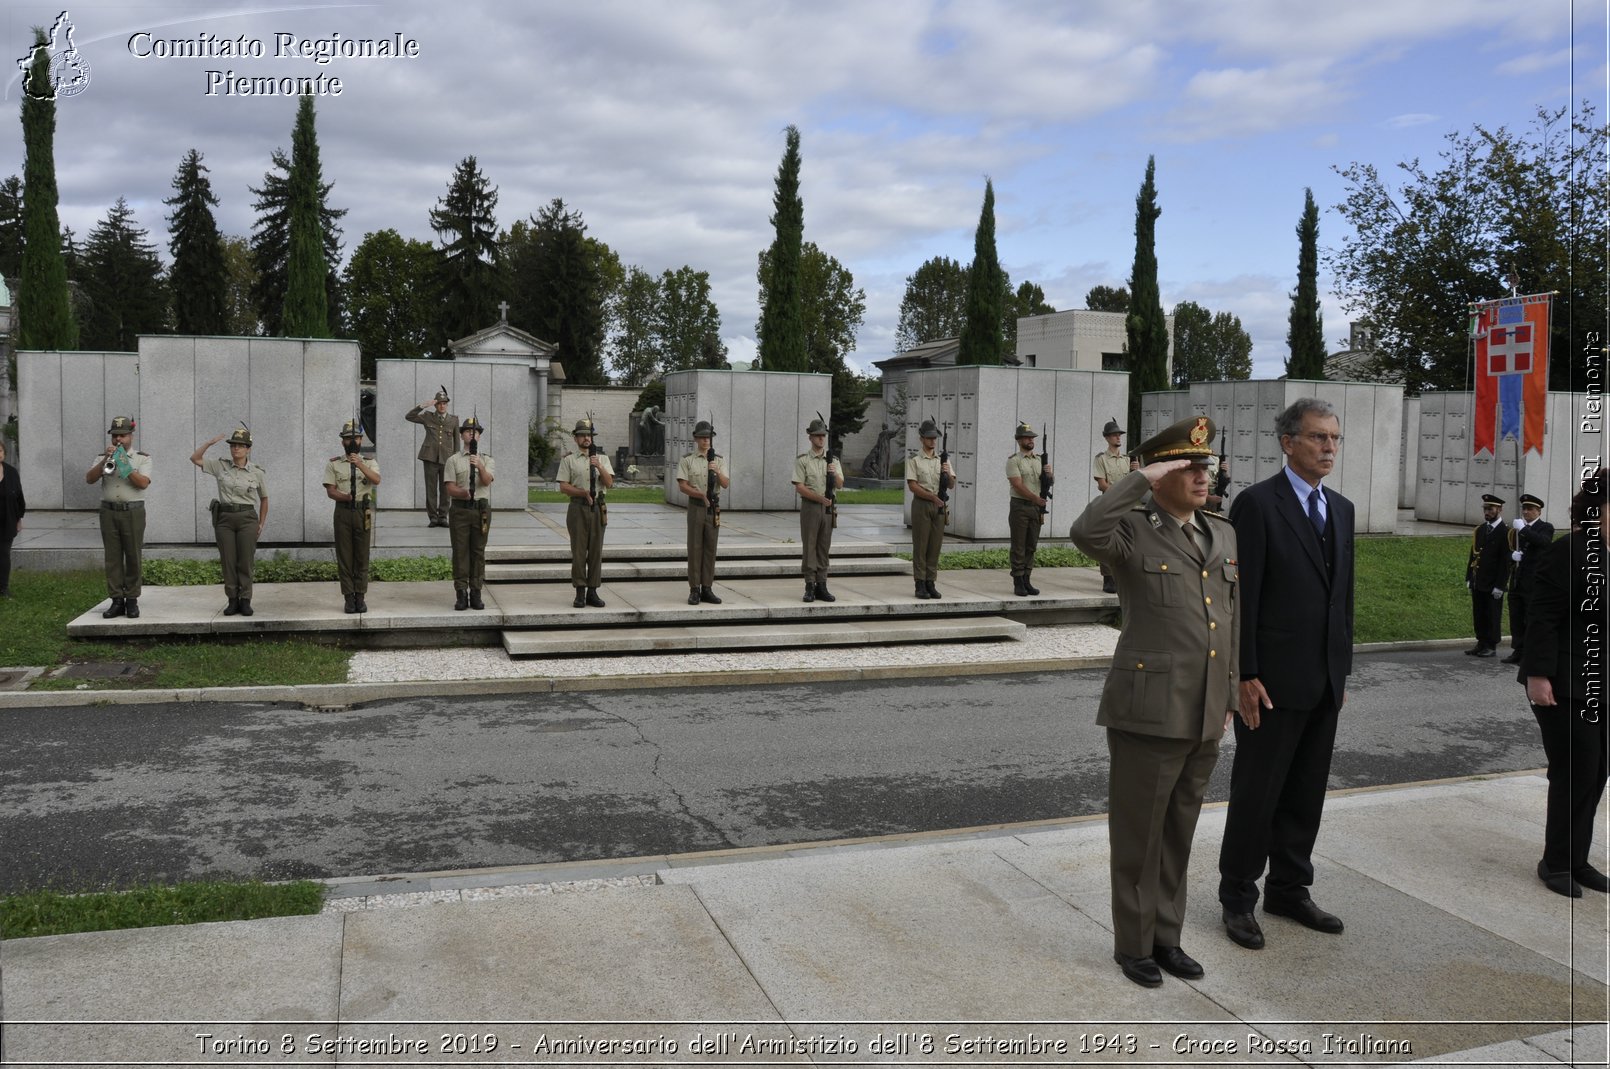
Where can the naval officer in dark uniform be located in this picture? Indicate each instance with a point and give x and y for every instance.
(1172, 688)
(1487, 575)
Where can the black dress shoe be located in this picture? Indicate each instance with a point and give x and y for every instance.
(131, 608)
(475, 598)
(1561, 883)
(1587, 875)
(1513, 658)
(1243, 930)
(1143, 971)
(593, 599)
(581, 599)
(461, 600)
(1472, 651)
(1306, 914)
(115, 609)
(1176, 962)
(708, 596)
(1485, 651)
(693, 596)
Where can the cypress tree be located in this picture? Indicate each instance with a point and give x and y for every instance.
(306, 306)
(271, 242)
(198, 278)
(981, 339)
(781, 330)
(1145, 327)
(11, 227)
(1306, 336)
(45, 319)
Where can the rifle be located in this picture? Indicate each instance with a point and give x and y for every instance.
(832, 491)
(712, 488)
(944, 476)
(1045, 477)
(593, 450)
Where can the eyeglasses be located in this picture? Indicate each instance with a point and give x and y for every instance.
(1319, 438)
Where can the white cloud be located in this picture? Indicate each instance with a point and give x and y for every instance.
(1403, 122)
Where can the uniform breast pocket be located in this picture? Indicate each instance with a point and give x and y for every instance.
(1164, 580)
(1232, 579)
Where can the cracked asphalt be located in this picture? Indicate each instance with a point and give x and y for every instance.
(116, 795)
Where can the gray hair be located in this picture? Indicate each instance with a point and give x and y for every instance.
(1290, 422)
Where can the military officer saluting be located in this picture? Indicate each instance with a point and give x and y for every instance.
(123, 474)
(811, 473)
(350, 481)
(439, 444)
(1173, 684)
(923, 469)
(468, 473)
(693, 477)
(1023, 517)
(239, 513)
(583, 477)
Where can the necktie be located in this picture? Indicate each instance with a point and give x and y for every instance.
(1192, 538)
(1313, 514)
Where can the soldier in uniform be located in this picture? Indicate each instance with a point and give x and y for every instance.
(1486, 576)
(350, 481)
(434, 451)
(811, 473)
(583, 477)
(704, 523)
(928, 512)
(1530, 536)
(123, 474)
(1023, 517)
(238, 513)
(1109, 466)
(468, 473)
(1172, 688)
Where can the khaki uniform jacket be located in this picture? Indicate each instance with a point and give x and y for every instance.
(573, 469)
(339, 471)
(237, 486)
(458, 471)
(1176, 670)
(810, 471)
(441, 434)
(1025, 466)
(115, 487)
(694, 469)
(924, 471)
(1109, 467)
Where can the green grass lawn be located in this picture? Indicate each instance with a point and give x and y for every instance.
(1411, 588)
(35, 913)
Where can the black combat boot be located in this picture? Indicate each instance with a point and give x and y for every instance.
(363, 606)
(1017, 586)
(933, 591)
(475, 598)
(810, 592)
(351, 604)
(461, 600)
(115, 609)
(693, 596)
(1027, 588)
(922, 590)
(131, 608)
(233, 607)
(822, 593)
(593, 599)
(245, 606)
(708, 596)
(581, 599)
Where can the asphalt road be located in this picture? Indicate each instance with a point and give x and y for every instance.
(115, 795)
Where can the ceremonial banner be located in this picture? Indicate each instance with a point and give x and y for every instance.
(1512, 360)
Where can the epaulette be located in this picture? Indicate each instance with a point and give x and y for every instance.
(141, 453)
(803, 455)
(1151, 515)
(339, 456)
(1216, 515)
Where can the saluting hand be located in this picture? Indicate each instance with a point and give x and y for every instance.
(1155, 471)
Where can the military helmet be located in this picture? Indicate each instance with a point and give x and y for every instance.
(1025, 431)
(472, 424)
(704, 429)
(583, 426)
(1189, 439)
(929, 429)
(121, 425)
(242, 435)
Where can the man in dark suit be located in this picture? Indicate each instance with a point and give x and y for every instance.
(1172, 686)
(1296, 543)
(1527, 541)
(1487, 575)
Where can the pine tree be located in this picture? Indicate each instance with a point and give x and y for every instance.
(11, 227)
(469, 274)
(1306, 336)
(780, 333)
(981, 340)
(271, 240)
(45, 319)
(122, 281)
(558, 289)
(1145, 327)
(306, 303)
(198, 278)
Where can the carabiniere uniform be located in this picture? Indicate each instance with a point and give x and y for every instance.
(354, 521)
(123, 524)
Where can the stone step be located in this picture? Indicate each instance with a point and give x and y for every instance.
(677, 550)
(728, 569)
(765, 634)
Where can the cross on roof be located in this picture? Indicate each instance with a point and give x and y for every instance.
(503, 311)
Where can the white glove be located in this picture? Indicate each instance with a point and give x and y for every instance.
(1518, 523)
(1498, 593)
(1516, 556)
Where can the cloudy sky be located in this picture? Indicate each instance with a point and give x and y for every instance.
(663, 123)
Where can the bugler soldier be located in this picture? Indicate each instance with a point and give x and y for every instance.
(1023, 517)
(469, 472)
(350, 481)
(811, 473)
(1172, 687)
(439, 444)
(693, 478)
(928, 512)
(583, 477)
(123, 474)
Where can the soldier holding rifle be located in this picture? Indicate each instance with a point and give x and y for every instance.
(584, 476)
(929, 477)
(469, 472)
(816, 479)
(702, 475)
(350, 481)
(1027, 474)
